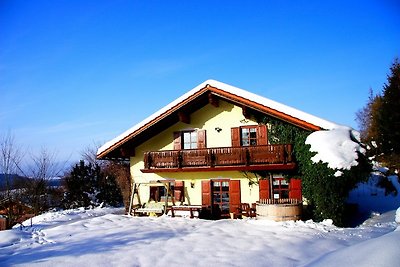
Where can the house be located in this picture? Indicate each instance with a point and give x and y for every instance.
(210, 149)
(18, 210)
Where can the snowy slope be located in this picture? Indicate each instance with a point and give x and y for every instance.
(98, 237)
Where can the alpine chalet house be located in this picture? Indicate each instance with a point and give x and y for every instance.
(211, 152)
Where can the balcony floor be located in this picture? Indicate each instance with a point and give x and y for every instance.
(264, 167)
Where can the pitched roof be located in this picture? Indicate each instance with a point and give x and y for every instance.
(225, 91)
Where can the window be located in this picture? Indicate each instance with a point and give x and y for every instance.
(220, 195)
(280, 188)
(189, 140)
(249, 136)
(158, 193)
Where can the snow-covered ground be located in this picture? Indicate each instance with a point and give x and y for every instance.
(106, 237)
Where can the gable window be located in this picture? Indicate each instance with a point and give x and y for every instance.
(249, 135)
(191, 139)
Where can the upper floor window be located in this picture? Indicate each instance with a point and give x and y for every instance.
(191, 139)
(249, 135)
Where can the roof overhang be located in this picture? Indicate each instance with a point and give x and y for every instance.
(123, 146)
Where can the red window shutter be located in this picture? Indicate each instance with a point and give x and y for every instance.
(177, 141)
(295, 189)
(235, 135)
(201, 139)
(206, 193)
(264, 189)
(262, 135)
(234, 195)
(179, 191)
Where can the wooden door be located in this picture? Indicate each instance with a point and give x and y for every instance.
(221, 197)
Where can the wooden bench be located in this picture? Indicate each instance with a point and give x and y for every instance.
(150, 209)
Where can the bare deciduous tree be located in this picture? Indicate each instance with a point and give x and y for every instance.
(44, 167)
(10, 158)
(89, 154)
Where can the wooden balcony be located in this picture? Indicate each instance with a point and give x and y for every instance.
(265, 157)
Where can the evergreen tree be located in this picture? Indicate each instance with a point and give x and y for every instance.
(81, 185)
(379, 121)
(109, 192)
(389, 119)
(88, 184)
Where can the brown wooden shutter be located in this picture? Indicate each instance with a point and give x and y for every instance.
(179, 191)
(234, 195)
(206, 193)
(235, 135)
(177, 141)
(264, 189)
(295, 189)
(201, 139)
(262, 135)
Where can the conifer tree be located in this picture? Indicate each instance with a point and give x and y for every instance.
(379, 121)
(87, 184)
(389, 119)
(81, 185)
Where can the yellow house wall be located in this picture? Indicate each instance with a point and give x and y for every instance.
(207, 118)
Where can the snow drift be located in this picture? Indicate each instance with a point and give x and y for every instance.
(339, 147)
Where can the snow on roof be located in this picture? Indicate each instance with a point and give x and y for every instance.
(232, 90)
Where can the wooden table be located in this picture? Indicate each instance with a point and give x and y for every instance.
(190, 208)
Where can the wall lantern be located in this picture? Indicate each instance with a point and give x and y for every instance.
(192, 184)
(218, 129)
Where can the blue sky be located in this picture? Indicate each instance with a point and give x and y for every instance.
(77, 72)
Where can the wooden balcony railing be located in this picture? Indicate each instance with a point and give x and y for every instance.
(218, 157)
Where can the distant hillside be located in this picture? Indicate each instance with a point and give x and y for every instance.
(16, 180)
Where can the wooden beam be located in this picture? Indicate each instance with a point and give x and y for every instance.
(213, 100)
(246, 112)
(127, 152)
(184, 117)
